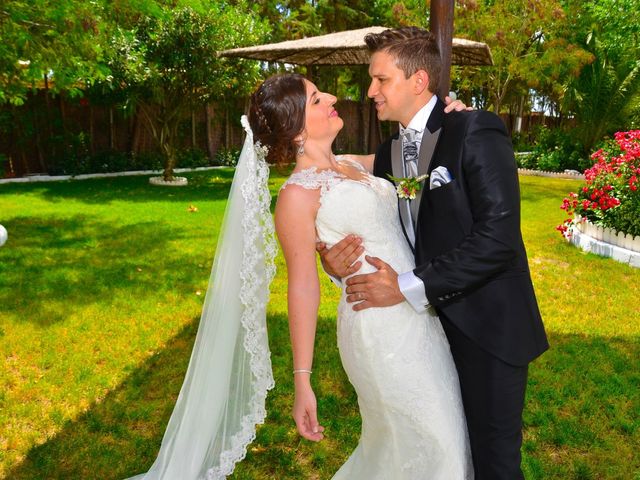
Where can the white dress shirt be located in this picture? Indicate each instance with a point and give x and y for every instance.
(411, 286)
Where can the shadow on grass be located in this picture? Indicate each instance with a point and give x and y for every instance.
(581, 419)
(60, 262)
(121, 435)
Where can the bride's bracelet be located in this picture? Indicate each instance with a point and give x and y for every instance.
(302, 370)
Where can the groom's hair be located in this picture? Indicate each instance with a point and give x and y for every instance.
(277, 115)
(413, 49)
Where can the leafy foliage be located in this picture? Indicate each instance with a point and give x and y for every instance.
(602, 97)
(167, 65)
(527, 45)
(62, 39)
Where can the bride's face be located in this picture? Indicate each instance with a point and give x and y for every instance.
(322, 121)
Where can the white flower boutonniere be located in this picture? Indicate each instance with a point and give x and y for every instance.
(408, 187)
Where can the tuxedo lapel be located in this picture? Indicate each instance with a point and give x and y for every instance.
(397, 169)
(427, 147)
(396, 158)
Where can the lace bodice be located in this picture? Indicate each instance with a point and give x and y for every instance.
(367, 207)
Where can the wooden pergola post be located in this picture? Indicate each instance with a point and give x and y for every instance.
(441, 24)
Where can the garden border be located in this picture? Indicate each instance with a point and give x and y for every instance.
(606, 242)
(59, 178)
(544, 173)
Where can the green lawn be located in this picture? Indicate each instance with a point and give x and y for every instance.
(101, 287)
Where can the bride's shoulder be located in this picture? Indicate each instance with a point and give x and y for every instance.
(296, 205)
(311, 179)
(296, 195)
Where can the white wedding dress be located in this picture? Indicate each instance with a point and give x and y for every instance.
(399, 362)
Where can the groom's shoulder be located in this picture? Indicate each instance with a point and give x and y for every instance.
(474, 119)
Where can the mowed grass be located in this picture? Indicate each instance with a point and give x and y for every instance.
(101, 285)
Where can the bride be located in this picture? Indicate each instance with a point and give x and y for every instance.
(398, 361)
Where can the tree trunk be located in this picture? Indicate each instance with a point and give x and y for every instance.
(136, 134)
(441, 24)
(168, 147)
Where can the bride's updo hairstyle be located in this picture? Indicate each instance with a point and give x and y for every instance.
(277, 115)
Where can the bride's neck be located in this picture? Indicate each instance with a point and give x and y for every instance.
(316, 156)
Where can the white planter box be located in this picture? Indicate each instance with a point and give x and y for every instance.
(607, 242)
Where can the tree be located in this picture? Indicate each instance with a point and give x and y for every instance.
(528, 48)
(167, 65)
(57, 44)
(605, 97)
(289, 19)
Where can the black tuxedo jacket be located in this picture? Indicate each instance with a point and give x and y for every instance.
(468, 245)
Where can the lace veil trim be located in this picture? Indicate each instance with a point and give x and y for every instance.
(223, 394)
(257, 272)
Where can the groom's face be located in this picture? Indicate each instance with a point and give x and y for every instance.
(391, 92)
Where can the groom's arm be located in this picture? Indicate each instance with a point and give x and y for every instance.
(494, 199)
(412, 288)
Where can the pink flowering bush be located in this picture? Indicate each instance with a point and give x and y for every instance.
(611, 196)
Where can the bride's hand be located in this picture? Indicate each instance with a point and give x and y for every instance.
(305, 414)
(340, 260)
(456, 105)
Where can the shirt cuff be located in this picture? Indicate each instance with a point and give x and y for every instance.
(336, 281)
(412, 288)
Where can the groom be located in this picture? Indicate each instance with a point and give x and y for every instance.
(464, 228)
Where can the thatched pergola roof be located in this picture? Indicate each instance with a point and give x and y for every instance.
(347, 48)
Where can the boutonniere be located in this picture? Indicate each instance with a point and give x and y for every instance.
(409, 186)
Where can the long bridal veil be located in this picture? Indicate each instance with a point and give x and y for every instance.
(225, 387)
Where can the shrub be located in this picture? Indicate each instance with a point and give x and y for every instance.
(557, 150)
(611, 196)
(521, 142)
(227, 157)
(75, 159)
(192, 158)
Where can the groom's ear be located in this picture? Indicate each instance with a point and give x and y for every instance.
(421, 82)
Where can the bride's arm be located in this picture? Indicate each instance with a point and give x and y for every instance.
(295, 225)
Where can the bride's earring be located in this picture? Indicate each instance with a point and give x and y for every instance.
(300, 148)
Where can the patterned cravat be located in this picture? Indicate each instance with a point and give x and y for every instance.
(410, 152)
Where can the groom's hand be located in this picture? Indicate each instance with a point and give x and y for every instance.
(338, 261)
(378, 289)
